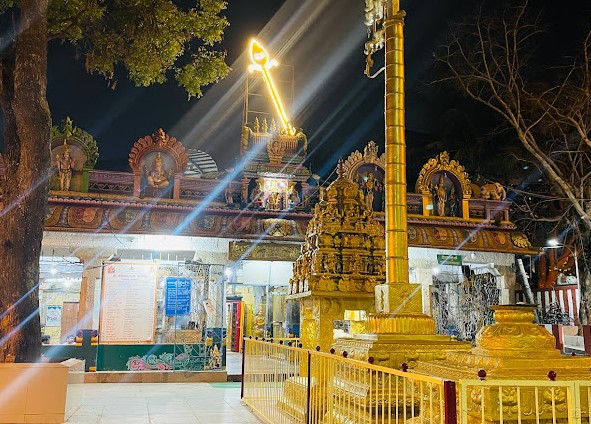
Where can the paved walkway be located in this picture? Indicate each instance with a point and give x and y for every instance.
(163, 403)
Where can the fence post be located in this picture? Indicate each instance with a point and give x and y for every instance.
(243, 361)
(557, 333)
(449, 402)
(309, 391)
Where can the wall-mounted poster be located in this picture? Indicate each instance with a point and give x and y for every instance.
(128, 303)
(54, 316)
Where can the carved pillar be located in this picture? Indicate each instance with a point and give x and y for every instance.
(305, 194)
(427, 199)
(89, 302)
(318, 315)
(245, 183)
(137, 184)
(465, 207)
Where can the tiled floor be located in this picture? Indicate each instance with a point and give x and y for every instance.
(164, 403)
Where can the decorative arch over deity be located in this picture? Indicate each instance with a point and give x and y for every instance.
(158, 161)
(445, 187)
(368, 171)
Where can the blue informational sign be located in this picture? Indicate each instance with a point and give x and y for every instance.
(178, 296)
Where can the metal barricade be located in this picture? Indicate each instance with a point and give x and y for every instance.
(285, 384)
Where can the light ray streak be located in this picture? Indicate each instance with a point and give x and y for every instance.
(140, 214)
(247, 158)
(44, 177)
(218, 114)
(15, 304)
(18, 327)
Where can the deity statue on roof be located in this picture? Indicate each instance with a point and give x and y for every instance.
(65, 164)
(157, 177)
(440, 195)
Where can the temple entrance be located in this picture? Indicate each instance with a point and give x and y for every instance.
(460, 301)
(255, 301)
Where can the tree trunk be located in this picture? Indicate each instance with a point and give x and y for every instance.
(27, 124)
(585, 280)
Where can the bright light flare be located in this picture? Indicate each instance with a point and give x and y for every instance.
(553, 242)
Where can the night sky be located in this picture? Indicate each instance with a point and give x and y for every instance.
(338, 108)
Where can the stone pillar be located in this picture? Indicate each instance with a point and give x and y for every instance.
(93, 261)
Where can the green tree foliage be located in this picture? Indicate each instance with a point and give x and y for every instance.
(150, 39)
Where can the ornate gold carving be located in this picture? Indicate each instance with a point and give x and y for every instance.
(442, 163)
(356, 159)
(493, 191)
(520, 240)
(344, 246)
(370, 179)
(241, 250)
(275, 150)
(400, 324)
(512, 348)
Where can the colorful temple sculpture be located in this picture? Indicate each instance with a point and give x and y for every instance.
(74, 154)
(158, 162)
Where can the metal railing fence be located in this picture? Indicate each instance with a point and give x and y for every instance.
(285, 384)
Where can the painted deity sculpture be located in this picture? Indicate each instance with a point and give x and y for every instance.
(441, 196)
(157, 176)
(258, 324)
(65, 164)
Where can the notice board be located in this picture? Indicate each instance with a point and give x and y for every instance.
(178, 296)
(128, 303)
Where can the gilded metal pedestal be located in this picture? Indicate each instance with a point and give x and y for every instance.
(512, 348)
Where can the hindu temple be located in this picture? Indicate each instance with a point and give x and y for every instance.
(262, 250)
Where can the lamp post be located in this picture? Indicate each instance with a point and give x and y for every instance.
(554, 244)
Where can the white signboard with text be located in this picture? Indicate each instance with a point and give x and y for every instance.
(128, 303)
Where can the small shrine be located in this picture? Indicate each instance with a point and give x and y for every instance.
(274, 178)
(158, 162)
(342, 261)
(367, 170)
(74, 153)
(273, 150)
